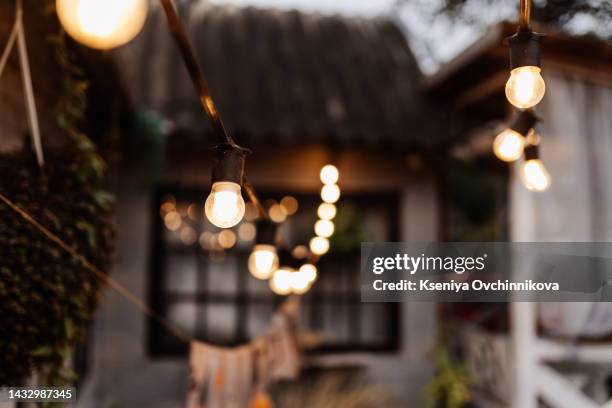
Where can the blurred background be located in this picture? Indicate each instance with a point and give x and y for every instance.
(404, 98)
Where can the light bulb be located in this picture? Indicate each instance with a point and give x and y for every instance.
(310, 272)
(319, 245)
(102, 24)
(535, 176)
(224, 206)
(326, 211)
(282, 281)
(324, 228)
(263, 261)
(525, 87)
(508, 145)
(299, 283)
(329, 174)
(330, 193)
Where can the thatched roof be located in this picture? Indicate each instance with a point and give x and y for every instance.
(285, 77)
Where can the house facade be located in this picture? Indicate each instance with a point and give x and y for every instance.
(300, 90)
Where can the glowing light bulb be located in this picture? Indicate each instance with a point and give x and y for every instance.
(263, 261)
(535, 176)
(324, 228)
(299, 283)
(309, 271)
(319, 245)
(224, 206)
(508, 145)
(329, 174)
(102, 24)
(282, 281)
(326, 211)
(330, 193)
(525, 87)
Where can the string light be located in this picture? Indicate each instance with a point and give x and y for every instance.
(226, 239)
(102, 24)
(533, 173)
(112, 23)
(509, 144)
(277, 213)
(247, 231)
(525, 87)
(324, 228)
(173, 221)
(319, 245)
(263, 260)
(326, 211)
(289, 204)
(329, 174)
(282, 282)
(310, 272)
(330, 193)
(188, 235)
(225, 206)
(299, 283)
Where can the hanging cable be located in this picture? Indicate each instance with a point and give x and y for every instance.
(525, 14)
(201, 87)
(195, 72)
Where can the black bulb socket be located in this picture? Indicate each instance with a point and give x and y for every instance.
(228, 164)
(266, 233)
(523, 121)
(525, 48)
(532, 152)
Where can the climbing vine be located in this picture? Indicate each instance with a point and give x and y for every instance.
(47, 298)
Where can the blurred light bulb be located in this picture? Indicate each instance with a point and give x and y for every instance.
(299, 283)
(309, 271)
(226, 239)
(224, 206)
(263, 261)
(508, 145)
(329, 174)
(319, 245)
(535, 176)
(282, 282)
(330, 193)
(326, 211)
(525, 87)
(102, 24)
(324, 228)
(290, 204)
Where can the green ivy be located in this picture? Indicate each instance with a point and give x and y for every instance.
(47, 298)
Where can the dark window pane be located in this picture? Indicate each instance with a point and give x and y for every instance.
(220, 323)
(181, 274)
(183, 315)
(222, 276)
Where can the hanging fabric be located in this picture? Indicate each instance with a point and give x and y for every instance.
(239, 377)
(18, 35)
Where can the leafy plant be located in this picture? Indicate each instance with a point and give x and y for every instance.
(47, 298)
(450, 387)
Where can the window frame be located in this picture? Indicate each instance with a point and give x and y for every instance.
(243, 299)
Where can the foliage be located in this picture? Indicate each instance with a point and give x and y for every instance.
(552, 12)
(350, 231)
(47, 298)
(450, 387)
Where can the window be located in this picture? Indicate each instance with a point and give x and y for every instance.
(206, 289)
